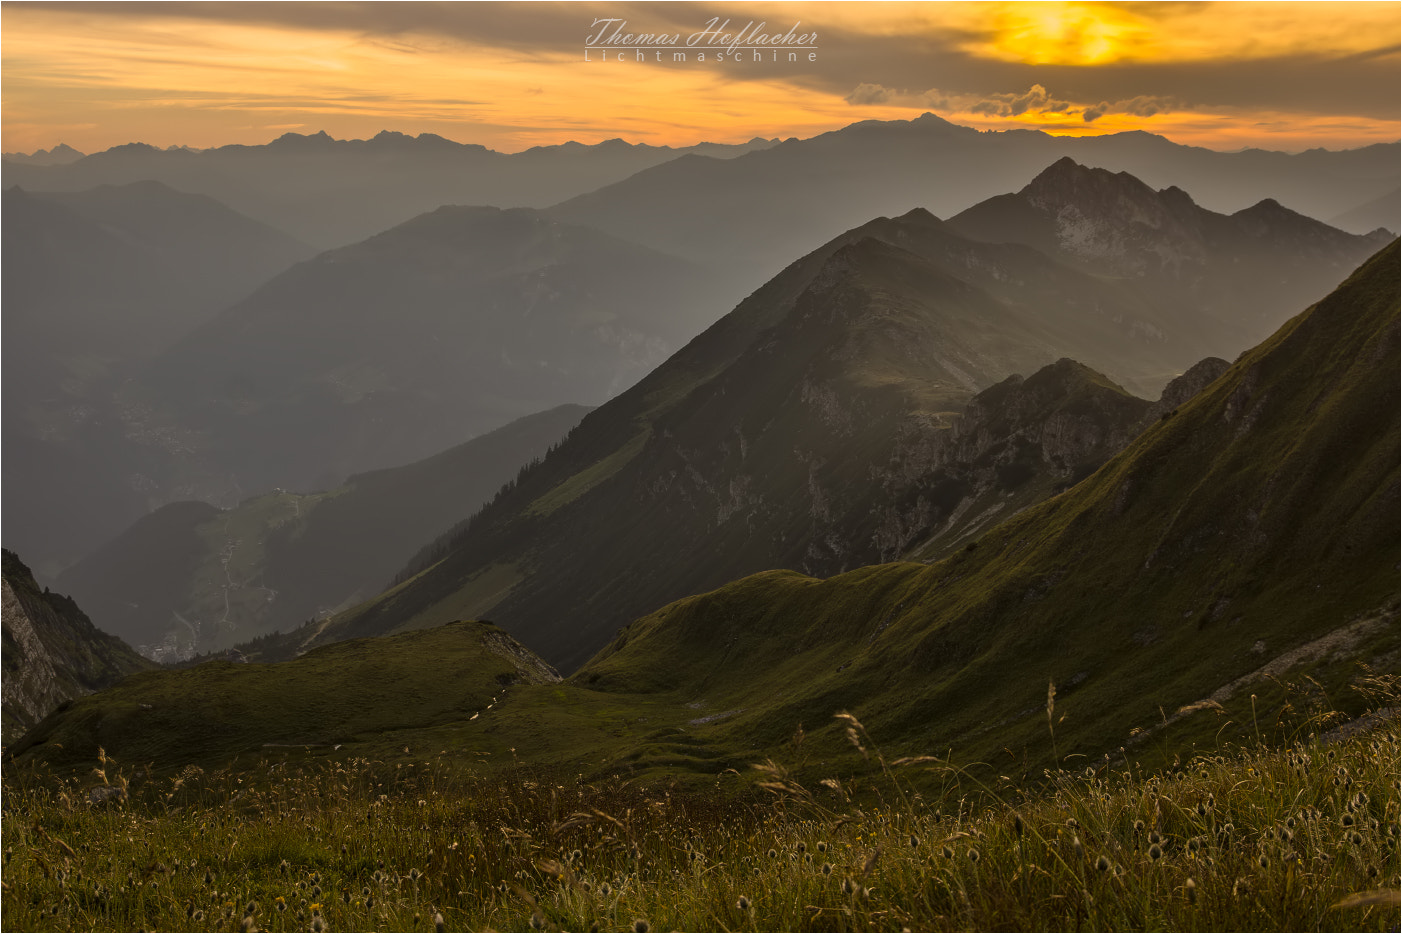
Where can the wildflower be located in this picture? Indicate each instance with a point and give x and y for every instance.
(1264, 861)
(946, 852)
(1355, 838)
(822, 847)
(1190, 889)
(605, 890)
(827, 869)
(438, 924)
(1155, 851)
(743, 903)
(280, 903)
(773, 854)
(1102, 863)
(973, 854)
(537, 921)
(847, 887)
(1138, 827)
(641, 927)
(284, 867)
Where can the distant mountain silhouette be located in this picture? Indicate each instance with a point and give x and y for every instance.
(753, 213)
(332, 192)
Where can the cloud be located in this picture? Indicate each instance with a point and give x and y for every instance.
(1145, 105)
(1035, 100)
(870, 94)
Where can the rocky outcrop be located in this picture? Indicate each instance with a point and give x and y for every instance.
(1017, 443)
(52, 651)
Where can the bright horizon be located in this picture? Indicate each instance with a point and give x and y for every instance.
(509, 76)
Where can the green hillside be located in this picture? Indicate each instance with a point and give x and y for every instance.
(352, 692)
(1259, 521)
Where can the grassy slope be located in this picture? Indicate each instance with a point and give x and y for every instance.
(1264, 513)
(339, 694)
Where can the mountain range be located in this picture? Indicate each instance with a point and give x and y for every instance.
(331, 192)
(794, 196)
(1244, 546)
(809, 429)
(242, 402)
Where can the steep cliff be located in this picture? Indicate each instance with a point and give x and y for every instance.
(52, 651)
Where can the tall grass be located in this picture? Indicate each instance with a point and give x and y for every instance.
(1303, 837)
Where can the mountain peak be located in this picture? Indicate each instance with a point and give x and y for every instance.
(1067, 180)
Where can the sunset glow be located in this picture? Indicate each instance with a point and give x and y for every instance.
(510, 76)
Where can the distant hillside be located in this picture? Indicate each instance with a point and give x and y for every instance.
(1384, 212)
(332, 192)
(1232, 272)
(189, 578)
(808, 429)
(52, 653)
(398, 347)
(97, 283)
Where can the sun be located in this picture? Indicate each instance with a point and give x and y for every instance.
(1065, 33)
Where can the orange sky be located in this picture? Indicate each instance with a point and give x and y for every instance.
(512, 75)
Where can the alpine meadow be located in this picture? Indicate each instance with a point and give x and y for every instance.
(883, 467)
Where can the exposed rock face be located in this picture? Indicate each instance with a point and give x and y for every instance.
(52, 651)
(1016, 444)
